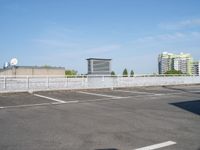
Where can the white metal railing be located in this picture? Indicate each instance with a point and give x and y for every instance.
(36, 83)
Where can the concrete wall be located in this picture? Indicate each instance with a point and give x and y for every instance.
(33, 71)
(11, 84)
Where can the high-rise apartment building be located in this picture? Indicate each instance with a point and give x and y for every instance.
(196, 68)
(181, 62)
(164, 62)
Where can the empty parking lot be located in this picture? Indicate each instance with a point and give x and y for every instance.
(166, 118)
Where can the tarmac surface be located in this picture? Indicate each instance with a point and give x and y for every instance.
(142, 118)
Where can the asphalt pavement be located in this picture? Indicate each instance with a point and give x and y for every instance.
(165, 118)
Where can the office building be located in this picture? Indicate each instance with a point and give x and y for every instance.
(98, 66)
(180, 62)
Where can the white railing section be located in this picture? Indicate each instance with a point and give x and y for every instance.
(37, 83)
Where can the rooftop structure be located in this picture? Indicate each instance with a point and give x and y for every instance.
(99, 66)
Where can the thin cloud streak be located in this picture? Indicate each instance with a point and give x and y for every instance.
(173, 38)
(181, 24)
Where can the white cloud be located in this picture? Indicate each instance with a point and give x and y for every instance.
(181, 24)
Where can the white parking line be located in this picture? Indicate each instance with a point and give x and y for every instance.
(28, 105)
(134, 92)
(50, 98)
(157, 146)
(160, 94)
(67, 102)
(151, 94)
(41, 104)
(95, 94)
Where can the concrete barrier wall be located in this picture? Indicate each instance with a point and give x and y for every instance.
(156, 81)
(37, 83)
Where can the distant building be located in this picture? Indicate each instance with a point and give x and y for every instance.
(33, 71)
(196, 68)
(99, 66)
(164, 62)
(181, 62)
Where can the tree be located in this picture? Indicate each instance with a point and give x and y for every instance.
(132, 73)
(173, 71)
(125, 73)
(70, 72)
(112, 73)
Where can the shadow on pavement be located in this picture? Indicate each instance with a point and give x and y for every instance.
(192, 106)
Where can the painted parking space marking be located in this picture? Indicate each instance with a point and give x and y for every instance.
(160, 94)
(103, 95)
(157, 146)
(67, 102)
(28, 105)
(106, 98)
(50, 98)
(152, 94)
(41, 104)
(134, 92)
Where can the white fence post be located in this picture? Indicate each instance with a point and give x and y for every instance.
(87, 85)
(112, 82)
(27, 82)
(5, 82)
(82, 81)
(118, 81)
(47, 81)
(67, 81)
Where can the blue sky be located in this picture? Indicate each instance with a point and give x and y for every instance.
(66, 32)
